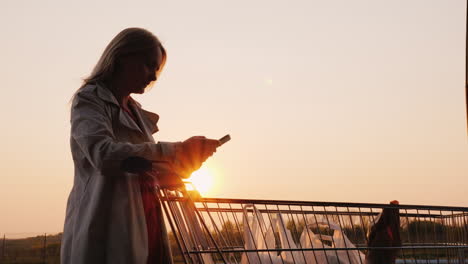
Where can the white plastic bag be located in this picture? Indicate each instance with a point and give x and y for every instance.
(194, 230)
(258, 236)
(311, 240)
(341, 241)
(287, 242)
(338, 240)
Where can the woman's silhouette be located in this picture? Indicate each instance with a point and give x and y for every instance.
(113, 215)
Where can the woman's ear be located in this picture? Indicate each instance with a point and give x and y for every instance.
(121, 62)
(124, 61)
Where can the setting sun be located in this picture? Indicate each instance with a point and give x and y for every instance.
(203, 180)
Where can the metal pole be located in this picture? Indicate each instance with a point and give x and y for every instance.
(461, 256)
(45, 248)
(3, 248)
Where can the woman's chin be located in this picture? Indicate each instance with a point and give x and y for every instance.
(140, 90)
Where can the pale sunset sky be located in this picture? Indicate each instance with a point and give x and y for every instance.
(325, 100)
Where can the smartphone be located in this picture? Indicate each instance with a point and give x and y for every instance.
(224, 139)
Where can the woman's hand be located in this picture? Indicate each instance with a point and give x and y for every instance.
(194, 151)
(165, 177)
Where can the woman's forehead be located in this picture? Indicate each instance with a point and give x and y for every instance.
(154, 55)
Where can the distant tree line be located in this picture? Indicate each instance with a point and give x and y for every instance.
(46, 249)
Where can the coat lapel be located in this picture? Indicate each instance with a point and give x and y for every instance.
(147, 119)
(128, 122)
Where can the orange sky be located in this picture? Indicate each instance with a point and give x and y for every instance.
(359, 101)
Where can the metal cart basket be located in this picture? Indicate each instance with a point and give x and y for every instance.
(212, 230)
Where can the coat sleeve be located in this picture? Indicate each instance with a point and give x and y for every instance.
(91, 128)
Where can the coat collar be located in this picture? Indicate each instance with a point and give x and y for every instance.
(148, 119)
(105, 94)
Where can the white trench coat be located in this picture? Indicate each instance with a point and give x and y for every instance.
(105, 220)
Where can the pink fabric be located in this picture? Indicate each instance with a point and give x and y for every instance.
(153, 211)
(152, 214)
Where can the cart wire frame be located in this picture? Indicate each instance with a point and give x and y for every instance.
(218, 230)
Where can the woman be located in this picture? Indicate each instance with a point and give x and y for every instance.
(113, 215)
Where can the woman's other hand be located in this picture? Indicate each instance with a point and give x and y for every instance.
(164, 176)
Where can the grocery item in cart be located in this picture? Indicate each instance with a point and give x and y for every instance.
(326, 242)
(259, 236)
(385, 233)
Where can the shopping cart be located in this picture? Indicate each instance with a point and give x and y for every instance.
(213, 230)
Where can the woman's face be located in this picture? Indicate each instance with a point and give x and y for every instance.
(140, 70)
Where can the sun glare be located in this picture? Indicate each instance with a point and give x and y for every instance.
(203, 180)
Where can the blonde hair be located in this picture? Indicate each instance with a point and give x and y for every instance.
(128, 42)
